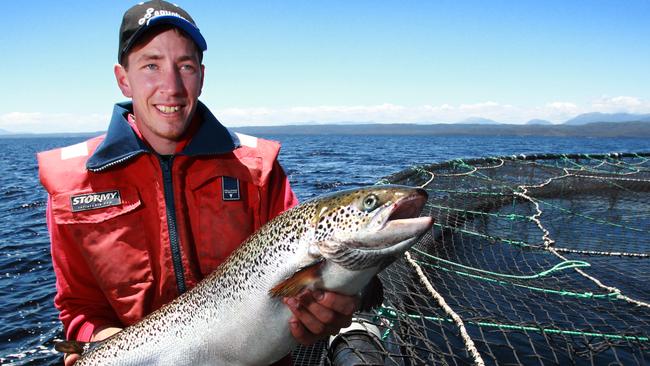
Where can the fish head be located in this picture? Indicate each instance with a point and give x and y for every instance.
(371, 226)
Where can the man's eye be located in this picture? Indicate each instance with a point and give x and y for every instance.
(151, 67)
(187, 67)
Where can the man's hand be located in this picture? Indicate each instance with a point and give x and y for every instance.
(100, 334)
(318, 314)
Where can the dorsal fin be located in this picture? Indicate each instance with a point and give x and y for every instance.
(301, 279)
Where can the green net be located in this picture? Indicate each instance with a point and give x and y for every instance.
(532, 260)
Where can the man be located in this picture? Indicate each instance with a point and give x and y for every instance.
(140, 215)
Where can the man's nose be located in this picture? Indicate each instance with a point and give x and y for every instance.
(171, 81)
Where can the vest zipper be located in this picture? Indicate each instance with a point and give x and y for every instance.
(113, 163)
(174, 242)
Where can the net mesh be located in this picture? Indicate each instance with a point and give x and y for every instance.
(532, 260)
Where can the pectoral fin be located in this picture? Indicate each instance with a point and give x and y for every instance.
(304, 277)
(70, 346)
(77, 346)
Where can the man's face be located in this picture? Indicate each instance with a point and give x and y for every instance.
(164, 79)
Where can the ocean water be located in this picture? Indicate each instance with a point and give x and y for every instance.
(315, 165)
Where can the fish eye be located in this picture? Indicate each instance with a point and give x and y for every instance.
(370, 202)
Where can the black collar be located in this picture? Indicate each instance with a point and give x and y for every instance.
(122, 143)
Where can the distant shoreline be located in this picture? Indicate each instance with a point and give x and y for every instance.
(604, 129)
(21, 135)
(601, 129)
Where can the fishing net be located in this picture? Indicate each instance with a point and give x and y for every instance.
(536, 260)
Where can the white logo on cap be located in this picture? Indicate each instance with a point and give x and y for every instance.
(152, 13)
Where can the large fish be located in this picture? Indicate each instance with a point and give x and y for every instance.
(235, 316)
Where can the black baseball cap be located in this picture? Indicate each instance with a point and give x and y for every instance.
(146, 15)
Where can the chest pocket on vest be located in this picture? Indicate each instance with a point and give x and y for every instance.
(224, 223)
(107, 228)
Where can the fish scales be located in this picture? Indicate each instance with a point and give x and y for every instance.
(234, 317)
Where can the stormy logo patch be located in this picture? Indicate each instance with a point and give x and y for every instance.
(230, 189)
(91, 201)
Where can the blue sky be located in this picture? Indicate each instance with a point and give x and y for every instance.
(279, 62)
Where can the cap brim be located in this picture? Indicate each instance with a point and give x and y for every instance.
(181, 23)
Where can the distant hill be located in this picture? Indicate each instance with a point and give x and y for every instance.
(607, 117)
(539, 122)
(616, 129)
(478, 121)
(9, 134)
(4, 132)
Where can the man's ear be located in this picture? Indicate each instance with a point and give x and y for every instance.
(122, 80)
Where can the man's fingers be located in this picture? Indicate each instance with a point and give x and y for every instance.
(320, 312)
(297, 330)
(70, 358)
(302, 335)
(332, 319)
(306, 318)
(339, 303)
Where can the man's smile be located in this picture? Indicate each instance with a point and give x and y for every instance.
(168, 109)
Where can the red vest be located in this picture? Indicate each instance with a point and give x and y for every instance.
(110, 230)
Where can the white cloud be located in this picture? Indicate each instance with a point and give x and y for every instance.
(381, 113)
(556, 111)
(620, 104)
(19, 118)
(37, 122)
(562, 106)
(479, 106)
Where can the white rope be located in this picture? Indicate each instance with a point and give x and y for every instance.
(430, 180)
(548, 242)
(501, 163)
(469, 344)
(596, 252)
(538, 212)
(611, 289)
(620, 164)
(612, 178)
(474, 169)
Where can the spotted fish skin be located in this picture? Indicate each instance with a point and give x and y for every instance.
(235, 315)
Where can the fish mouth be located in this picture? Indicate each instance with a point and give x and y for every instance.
(408, 207)
(397, 226)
